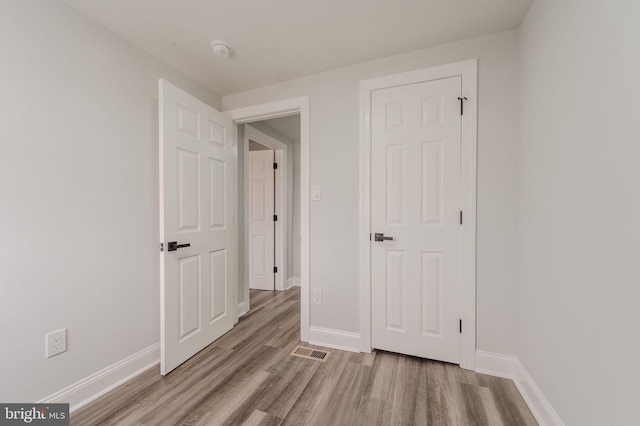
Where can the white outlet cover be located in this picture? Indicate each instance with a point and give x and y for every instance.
(56, 342)
(317, 297)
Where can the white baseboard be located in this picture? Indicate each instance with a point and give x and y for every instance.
(535, 399)
(495, 364)
(337, 339)
(292, 282)
(90, 388)
(510, 367)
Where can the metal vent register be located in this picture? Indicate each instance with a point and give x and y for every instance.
(309, 353)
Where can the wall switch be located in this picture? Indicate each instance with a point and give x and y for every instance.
(317, 297)
(56, 342)
(315, 193)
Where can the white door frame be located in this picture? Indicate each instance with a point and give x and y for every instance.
(278, 109)
(280, 237)
(468, 70)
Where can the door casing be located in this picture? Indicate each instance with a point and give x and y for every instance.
(468, 71)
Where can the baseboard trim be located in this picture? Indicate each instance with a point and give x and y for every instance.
(90, 388)
(495, 364)
(292, 282)
(337, 339)
(510, 367)
(535, 399)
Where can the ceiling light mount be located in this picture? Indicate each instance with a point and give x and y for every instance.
(221, 48)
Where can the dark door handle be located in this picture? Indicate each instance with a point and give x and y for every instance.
(173, 246)
(381, 237)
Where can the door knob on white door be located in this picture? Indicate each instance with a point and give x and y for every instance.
(381, 237)
(173, 246)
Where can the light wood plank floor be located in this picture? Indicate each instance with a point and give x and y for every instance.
(248, 377)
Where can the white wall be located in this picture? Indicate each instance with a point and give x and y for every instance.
(579, 208)
(334, 154)
(78, 194)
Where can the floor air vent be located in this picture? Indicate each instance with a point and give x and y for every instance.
(309, 353)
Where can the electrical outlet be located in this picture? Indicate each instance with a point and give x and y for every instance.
(317, 297)
(56, 342)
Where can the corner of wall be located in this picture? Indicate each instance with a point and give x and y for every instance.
(510, 367)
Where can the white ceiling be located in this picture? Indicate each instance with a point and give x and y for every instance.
(277, 40)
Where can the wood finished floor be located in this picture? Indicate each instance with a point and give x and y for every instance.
(248, 377)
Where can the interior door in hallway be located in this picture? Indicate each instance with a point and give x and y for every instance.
(415, 201)
(261, 223)
(198, 190)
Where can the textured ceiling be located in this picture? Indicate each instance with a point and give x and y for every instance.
(277, 40)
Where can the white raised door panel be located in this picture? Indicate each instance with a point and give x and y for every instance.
(261, 224)
(415, 199)
(198, 186)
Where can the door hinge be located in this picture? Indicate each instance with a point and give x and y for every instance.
(161, 246)
(369, 236)
(462, 104)
(460, 217)
(275, 217)
(275, 166)
(275, 269)
(461, 326)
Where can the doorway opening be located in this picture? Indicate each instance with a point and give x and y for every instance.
(251, 114)
(269, 154)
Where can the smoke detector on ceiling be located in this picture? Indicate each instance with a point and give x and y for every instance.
(221, 48)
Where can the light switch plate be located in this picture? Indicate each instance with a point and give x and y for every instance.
(315, 193)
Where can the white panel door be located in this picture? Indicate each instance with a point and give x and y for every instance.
(198, 190)
(415, 199)
(261, 224)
